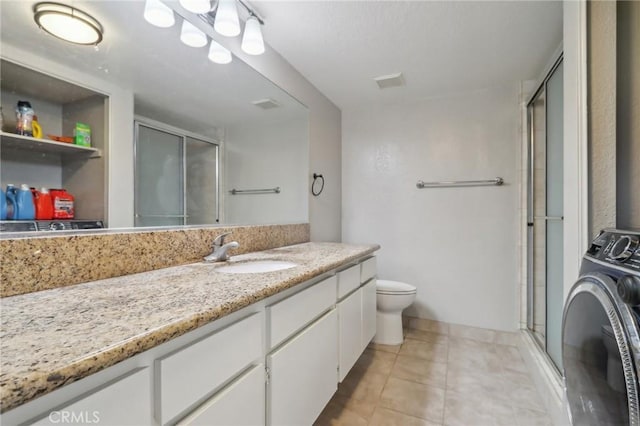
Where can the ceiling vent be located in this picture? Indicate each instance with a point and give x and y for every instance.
(391, 80)
(267, 103)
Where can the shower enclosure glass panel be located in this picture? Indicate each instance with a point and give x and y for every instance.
(545, 214)
(176, 179)
(159, 195)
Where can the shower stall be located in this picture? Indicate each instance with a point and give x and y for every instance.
(545, 214)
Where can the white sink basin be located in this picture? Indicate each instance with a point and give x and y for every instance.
(256, 266)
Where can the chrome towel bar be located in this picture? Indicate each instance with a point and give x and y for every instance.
(497, 181)
(275, 190)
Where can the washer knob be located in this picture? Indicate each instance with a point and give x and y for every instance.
(56, 226)
(629, 289)
(623, 248)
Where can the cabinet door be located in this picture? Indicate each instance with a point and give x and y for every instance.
(350, 320)
(303, 374)
(239, 404)
(368, 312)
(126, 401)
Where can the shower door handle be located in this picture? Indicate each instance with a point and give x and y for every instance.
(549, 217)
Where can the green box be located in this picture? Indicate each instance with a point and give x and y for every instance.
(82, 134)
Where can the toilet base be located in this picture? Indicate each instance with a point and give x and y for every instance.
(388, 328)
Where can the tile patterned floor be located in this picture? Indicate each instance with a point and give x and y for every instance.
(441, 375)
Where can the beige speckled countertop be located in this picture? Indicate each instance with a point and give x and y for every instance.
(54, 337)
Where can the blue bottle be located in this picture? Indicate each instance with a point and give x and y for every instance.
(12, 205)
(3, 205)
(26, 206)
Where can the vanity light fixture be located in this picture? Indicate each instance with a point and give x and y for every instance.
(218, 54)
(192, 36)
(68, 23)
(252, 42)
(158, 14)
(196, 6)
(226, 22)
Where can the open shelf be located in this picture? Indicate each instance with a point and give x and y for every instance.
(27, 143)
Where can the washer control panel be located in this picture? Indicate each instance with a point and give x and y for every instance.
(617, 247)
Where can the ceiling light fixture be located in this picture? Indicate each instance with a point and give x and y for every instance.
(252, 42)
(158, 14)
(226, 21)
(196, 6)
(192, 36)
(218, 54)
(68, 23)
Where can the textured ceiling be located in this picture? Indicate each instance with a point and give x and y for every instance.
(440, 47)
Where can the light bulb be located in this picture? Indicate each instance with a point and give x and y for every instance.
(192, 36)
(219, 54)
(158, 14)
(196, 6)
(227, 22)
(252, 42)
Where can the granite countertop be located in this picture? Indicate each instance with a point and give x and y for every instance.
(54, 337)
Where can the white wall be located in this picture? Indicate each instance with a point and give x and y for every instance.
(458, 246)
(266, 155)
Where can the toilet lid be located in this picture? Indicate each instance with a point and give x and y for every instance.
(394, 287)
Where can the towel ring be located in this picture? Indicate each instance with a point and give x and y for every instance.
(317, 177)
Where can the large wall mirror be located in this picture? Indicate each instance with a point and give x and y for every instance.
(205, 144)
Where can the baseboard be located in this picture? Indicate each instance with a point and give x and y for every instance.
(549, 383)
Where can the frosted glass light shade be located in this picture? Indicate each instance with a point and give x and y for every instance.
(192, 36)
(196, 6)
(227, 22)
(158, 14)
(67, 23)
(252, 42)
(219, 54)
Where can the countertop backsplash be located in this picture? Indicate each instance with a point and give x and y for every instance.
(34, 264)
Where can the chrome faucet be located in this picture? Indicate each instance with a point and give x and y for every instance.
(219, 253)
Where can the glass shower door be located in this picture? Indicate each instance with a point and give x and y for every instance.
(545, 212)
(159, 177)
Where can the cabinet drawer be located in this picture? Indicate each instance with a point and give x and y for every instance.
(239, 404)
(368, 269)
(292, 314)
(187, 376)
(126, 401)
(348, 280)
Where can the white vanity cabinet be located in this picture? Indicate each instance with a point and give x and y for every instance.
(190, 374)
(241, 403)
(302, 374)
(276, 362)
(124, 401)
(356, 312)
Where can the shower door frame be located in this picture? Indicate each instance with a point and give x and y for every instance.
(531, 173)
(184, 135)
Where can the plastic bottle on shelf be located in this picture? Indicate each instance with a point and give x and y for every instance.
(12, 206)
(3, 205)
(24, 201)
(44, 204)
(24, 118)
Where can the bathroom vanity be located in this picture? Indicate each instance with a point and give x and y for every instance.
(190, 345)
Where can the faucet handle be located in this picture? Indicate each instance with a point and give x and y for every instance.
(219, 240)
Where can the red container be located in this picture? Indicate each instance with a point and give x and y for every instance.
(62, 204)
(43, 203)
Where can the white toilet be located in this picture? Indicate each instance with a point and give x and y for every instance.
(392, 297)
(615, 373)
